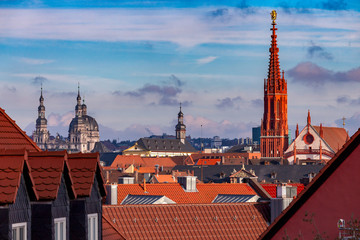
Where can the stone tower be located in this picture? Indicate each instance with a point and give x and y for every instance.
(274, 125)
(41, 134)
(180, 127)
(83, 129)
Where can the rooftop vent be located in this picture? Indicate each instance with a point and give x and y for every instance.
(188, 183)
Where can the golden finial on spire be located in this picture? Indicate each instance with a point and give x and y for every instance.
(273, 16)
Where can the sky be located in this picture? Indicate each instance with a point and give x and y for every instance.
(137, 60)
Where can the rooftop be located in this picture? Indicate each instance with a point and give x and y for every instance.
(187, 221)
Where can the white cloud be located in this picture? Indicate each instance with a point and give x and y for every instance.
(33, 61)
(206, 60)
(186, 27)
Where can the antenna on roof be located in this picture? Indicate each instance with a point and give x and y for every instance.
(343, 121)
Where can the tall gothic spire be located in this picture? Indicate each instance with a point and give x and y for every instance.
(274, 125)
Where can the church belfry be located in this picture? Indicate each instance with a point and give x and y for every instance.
(180, 128)
(274, 125)
(41, 134)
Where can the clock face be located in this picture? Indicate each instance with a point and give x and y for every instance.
(308, 139)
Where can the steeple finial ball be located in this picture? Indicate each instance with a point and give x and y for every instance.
(273, 16)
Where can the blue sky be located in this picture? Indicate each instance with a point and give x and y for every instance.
(137, 60)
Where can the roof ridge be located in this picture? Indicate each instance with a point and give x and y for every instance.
(13, 123)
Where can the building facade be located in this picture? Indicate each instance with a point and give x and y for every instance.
(274, 125)
(315, 144)
(83, 130)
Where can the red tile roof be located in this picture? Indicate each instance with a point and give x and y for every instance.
(271, 188)
(334, 136)
(162, 178)
(205, 161)
(187, 221)
(206, 191)
(124, 161)
(13, 164)
(109, 230)
(12, 137)
(84, 167)
(47, 169)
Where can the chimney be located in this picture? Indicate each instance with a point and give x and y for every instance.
(284, 196)
(126, 180)
(188, 183)
(111, 197)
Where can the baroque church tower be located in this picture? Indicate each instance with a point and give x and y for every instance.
(180, 128)
(83, 129)
(274, 125)
(41, 134)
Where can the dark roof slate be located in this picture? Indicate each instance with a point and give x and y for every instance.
(221, 173)
(163, 144)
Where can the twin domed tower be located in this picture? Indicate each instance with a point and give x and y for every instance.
(83, 130)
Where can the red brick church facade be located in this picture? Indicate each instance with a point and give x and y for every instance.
(274, 126)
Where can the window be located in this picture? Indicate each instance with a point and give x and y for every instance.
(60, 228)
(19, 231)
(93, 226)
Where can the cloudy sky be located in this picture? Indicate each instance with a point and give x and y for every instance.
(137, 60)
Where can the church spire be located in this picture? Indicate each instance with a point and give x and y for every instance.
(78, 96)
(78, 107)
(180, 128)
(274, 126)
(274, 76)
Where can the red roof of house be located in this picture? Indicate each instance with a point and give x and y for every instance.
(207, 161)
(109, 230)
(188, 221)
(84, 167)
(271, 188)
(12, 137)
(124, 161)
(13, 164)
(146, 170)
(334, 136)
(165, 178)
(206, 191)
(330, 196)
(47, 169)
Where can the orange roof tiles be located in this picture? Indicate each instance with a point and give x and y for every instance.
(204, 161)
(165, 178)
(271, 188)
(124, 161)
(146, 170)
(83, 167)
(109, 230)
(11, 135)
(206, 191)
(47, 169)
(188, 221)
(334, 136)
(12, 163)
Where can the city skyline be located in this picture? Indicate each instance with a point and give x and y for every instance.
(136, 61)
